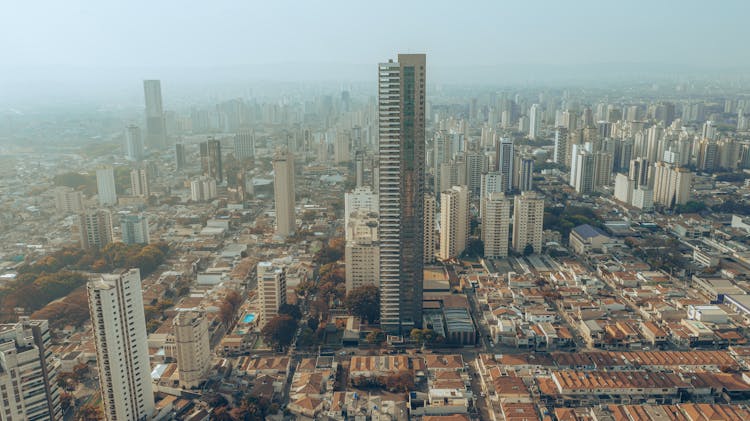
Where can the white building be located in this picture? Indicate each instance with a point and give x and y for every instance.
(271, 290)
(454, 222)
(119, 327)
(528, 219)
(133, 146)
(95, 228)
(283, 193)
(105, 186)
(244, 145)
(535, 121)
(68, 200)
(193, 348)
(134, 229)
(139, 182)
(671, 184)
(362, 251)
(28, 372)
(496, 225)
(361, 199)
(203, 189)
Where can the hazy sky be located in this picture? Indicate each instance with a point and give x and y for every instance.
(51, 41)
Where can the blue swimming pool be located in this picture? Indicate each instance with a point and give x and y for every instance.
(249, 317)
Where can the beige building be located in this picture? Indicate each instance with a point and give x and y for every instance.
(528, 220)
(496, 225)
(454, 222)
(95, 228)
(362, 251)
(193, 348)
(271, 290)
(68, 200)
(671, 184)
(139, 182)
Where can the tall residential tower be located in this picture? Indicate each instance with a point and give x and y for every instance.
(401, 123)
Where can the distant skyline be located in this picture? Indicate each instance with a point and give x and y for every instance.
(90, 45)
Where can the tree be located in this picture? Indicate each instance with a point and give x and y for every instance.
(216, 400)
(292, 310)
(279, 331)
(312, 323)
(423, 336)
(364, 302)
(528, 250)
(475, 248)
(399, 382)
(376, 337)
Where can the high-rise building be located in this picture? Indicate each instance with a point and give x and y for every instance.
(180, 156)
(638, 172)
(211, 159)
(193, 349)
(528, 219)
(454, 222)
(359, 169)
(526, 174)
(119, 326)
(28, 372)
(401, 123)
(156, 126)
(271, 290)
(535, 121)
(68, 200)
(283, 193)
(582, 171)
(495, 225)
(139, 182)
(360, 200)
(362, 250)
(430, 206)
(671, 184)
(561, 145)
(342, 146)
(602, 170)
(105, 186)
(476, 165)
(202, 189)
(244, 145)
(95, 228)
(134, 229)
(133, 146)
(504, 160)
(441, 155)
(491, 183)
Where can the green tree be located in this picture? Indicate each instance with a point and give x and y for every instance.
(377, 337)
(292, 310)
(279, 331)
(528, 250)
(423, 336)
(364, 302)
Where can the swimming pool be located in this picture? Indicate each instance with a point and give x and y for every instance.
(249, 317)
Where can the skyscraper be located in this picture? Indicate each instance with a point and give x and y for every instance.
(362, 251)
(28, 372)
(504, 163)
(561, 145)
(495, 225)
(95, 228)
(105, 186)
(68, 200)
(244, 145)
(202, 189)
(179, 156)
(119, 327)
(535, 121)
(139, 182)
(133, 143)
(528, 219)
(193, 349)
(283, 193)
(156, 127)
(526, 174)
(271, 290)
(454, 222)
(211, 159)
(671, 184)
(401, 122)
(134, 229)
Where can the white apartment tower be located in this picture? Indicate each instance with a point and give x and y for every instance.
(504, 163)
(271, 290)
(28, 372)
(495, 225)
(68, 200)
(454, 222)
(283, 193)
(203, 189)
(244, 145)
(401, 153)
(105, 186)
(671, 184)
(535, 121)
(134, 229)
(528, 219)
(193, 349)
(119, 326)
(133, 143)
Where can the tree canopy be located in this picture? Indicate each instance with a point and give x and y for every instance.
(279, 331)
(364, 302)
